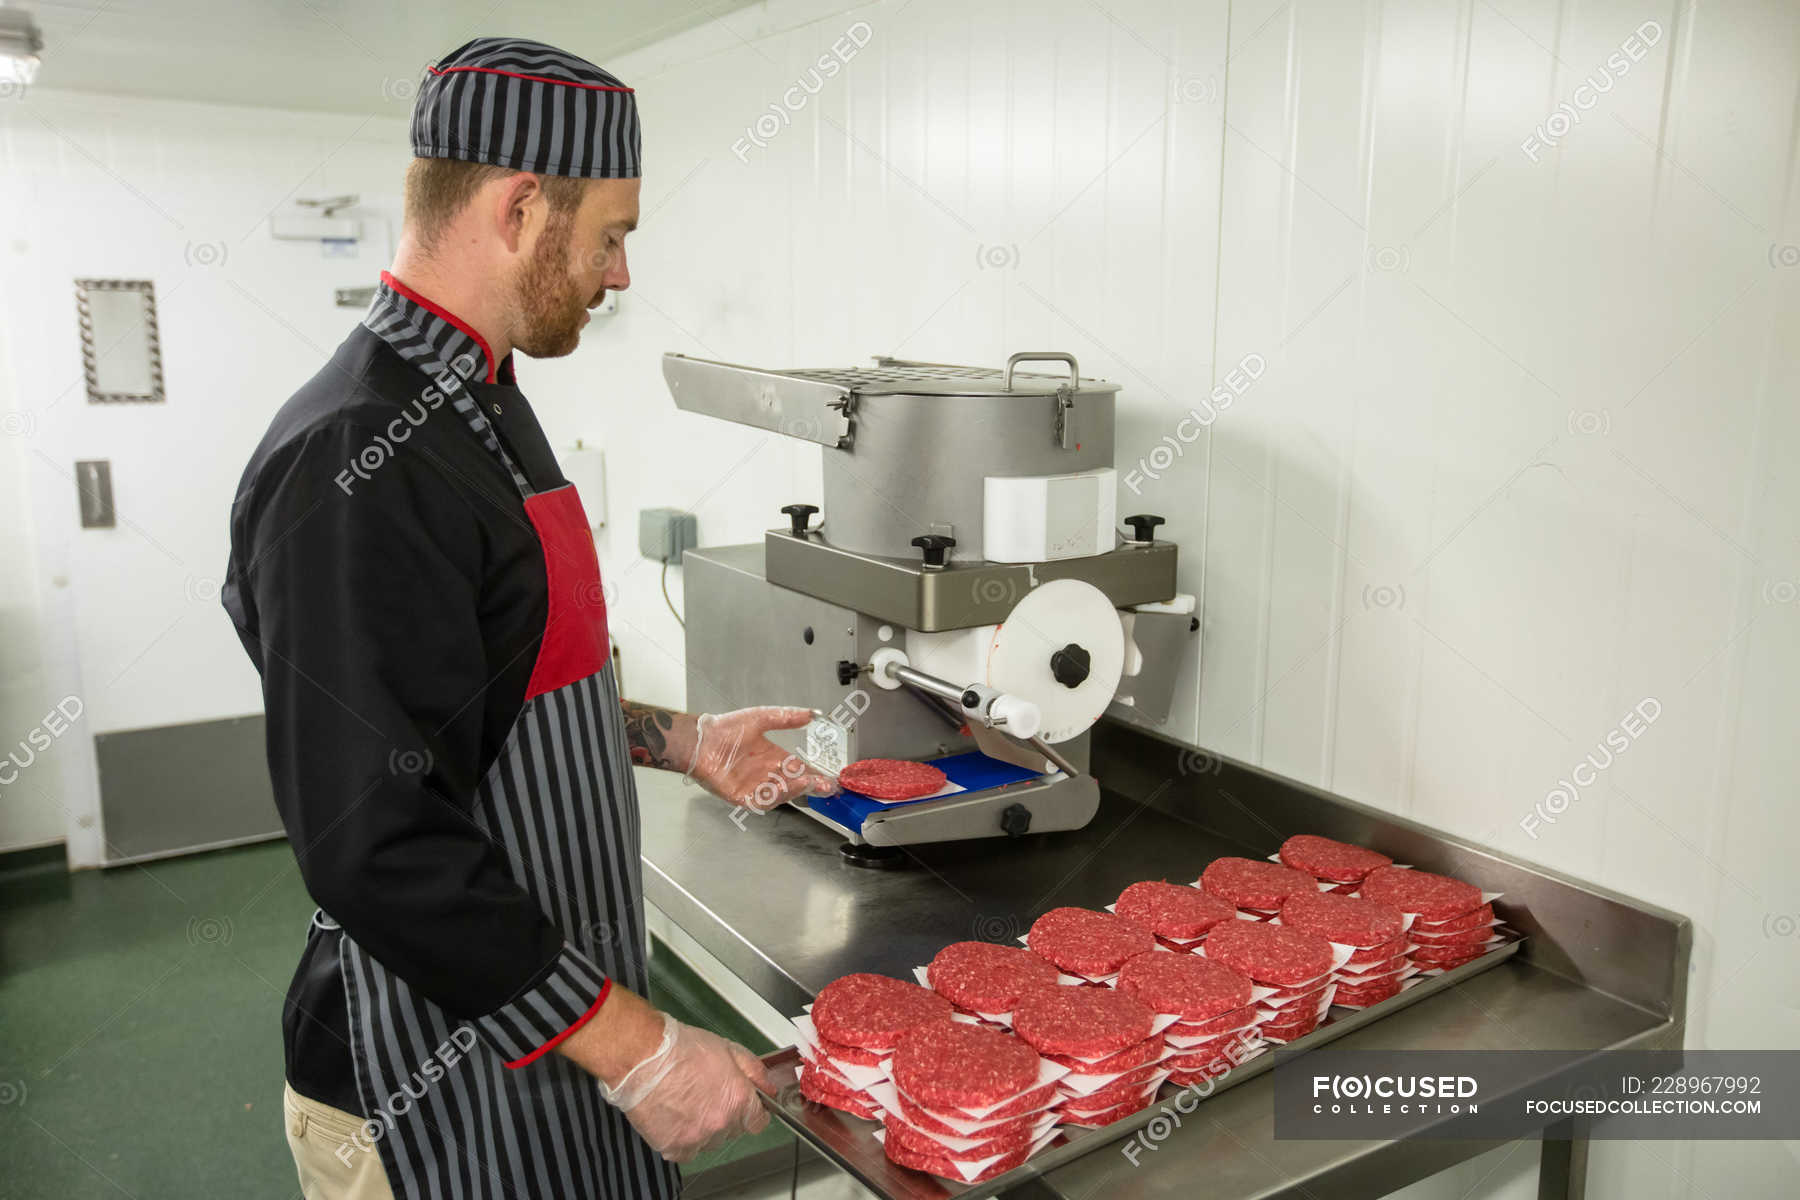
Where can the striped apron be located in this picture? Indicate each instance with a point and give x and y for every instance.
(560, 801)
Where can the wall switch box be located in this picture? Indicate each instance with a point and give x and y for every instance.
(664, 534)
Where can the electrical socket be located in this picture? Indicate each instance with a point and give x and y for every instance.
(664, 534)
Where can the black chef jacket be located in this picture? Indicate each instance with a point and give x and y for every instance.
(392, 594)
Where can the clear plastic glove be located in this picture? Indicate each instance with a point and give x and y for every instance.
(733, 759)
(695, 1092)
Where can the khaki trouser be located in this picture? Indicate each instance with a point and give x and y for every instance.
(334, 1164)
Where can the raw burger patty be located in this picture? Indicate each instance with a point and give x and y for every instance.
(854, 1055)
(1469, 920)
(1024, 1110)
(1447, 956)
(891, 778)
(943, 1166)
(1108, 1116)
(1085, 942)
(1343, 919)
(1462, 937)
(1433, 897)
(1224, 1023)
(1193, 988)
(1339, 862)
(1248, 883)
(1128, 1059)
(1172, 910)
(1110, 1096)
(1271, 954)
(984, 978)
(819, 1091)
(872, 1011)
(1081, 1021)
(1381, 953)
(950, 1063)
(923, 1143)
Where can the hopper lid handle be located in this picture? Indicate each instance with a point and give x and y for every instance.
(1040, 356)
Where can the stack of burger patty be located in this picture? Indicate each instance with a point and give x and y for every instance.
(847, 1041)
(985, 981)
(966, 1102)
(970, 1074)
(1255, 887)
(1215, 1020)
(1453, 922)
(1110, 1043)
(1296, 965)
(1374, 932)
(1088, 946)
(1338, 866)
(1178, 916)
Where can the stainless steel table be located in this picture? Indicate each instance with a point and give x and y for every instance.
(769, 897)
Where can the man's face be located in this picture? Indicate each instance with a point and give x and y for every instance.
(579, 257)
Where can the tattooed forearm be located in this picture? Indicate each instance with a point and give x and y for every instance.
(648, 730)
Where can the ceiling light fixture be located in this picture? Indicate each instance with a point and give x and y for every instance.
(20, 42)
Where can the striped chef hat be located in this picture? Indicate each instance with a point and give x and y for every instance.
(515, 103)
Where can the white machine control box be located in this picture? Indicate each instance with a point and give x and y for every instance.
(1043, 518)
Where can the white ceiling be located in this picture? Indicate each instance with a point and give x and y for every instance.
(359, 56)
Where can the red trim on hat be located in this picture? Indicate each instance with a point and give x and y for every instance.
(592, 87)
(447, 315)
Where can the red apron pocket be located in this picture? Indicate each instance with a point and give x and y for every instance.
(575, 642)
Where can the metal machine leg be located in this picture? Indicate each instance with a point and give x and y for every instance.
(1562, 1164)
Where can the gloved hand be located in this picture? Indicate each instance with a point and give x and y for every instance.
(695, 1092)
(734, 761)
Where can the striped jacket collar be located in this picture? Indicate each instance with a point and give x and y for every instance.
(431, 337)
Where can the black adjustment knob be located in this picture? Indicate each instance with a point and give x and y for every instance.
(1015, 820)
(935, 546)
(1143, 527)
(1070, 665)
(797, 515)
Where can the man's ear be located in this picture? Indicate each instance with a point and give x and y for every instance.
(516, 205)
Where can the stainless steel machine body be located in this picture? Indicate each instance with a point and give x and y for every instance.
(950, 495)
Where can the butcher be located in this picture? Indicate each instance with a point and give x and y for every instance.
(416, 583)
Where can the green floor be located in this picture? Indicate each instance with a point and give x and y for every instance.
(140, 1035)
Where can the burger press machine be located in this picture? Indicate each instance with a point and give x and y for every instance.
(967, 596)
